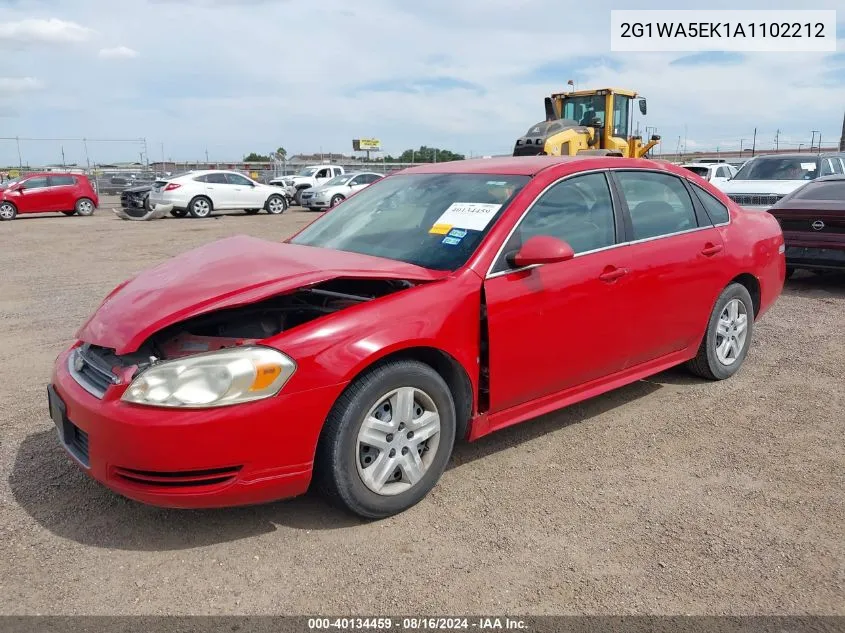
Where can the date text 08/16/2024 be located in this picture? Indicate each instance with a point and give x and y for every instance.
(417, 624)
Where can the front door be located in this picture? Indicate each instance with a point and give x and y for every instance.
(678, 264)
(245, 195)
(34, 196)
(557, 326)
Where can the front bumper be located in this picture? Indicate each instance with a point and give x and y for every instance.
(202, 458)
(316, 203)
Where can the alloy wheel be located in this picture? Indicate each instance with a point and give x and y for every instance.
(731, 332)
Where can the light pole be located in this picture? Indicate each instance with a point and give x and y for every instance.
(813, 138)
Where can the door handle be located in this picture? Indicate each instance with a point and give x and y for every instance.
(613, 275)
(711, 249)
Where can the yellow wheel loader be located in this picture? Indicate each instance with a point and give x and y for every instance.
(587, 122)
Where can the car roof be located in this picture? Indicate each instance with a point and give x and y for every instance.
(828, 178)
(708, 165)
(530, 165)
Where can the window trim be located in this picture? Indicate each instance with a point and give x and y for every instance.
(616, 197)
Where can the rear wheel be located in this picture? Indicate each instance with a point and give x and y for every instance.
(387, 440)
(84, 206)
(728, 336)
(8, 211)
(275, 204)
(298, 197)
(200, 207)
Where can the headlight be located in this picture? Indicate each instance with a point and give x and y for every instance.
(225, 377)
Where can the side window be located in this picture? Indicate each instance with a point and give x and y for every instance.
(358, 180)
(836, 165)
(236, 179)
(723, 172)
(217, 179)
(61, 181)
(36, 183)
(717, 211)
(201, 178)
(578, 210)
(323, 173)
(336, 171)
(659, 203)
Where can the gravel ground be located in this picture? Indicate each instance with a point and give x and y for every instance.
(670, 496)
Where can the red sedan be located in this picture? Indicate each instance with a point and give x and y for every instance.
(441, 303)
(48, 193)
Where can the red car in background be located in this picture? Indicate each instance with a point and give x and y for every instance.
(48, 193)
(441, 303)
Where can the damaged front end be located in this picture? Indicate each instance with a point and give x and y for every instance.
(96, 367)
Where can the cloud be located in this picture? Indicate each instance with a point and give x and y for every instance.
(460, 74)
(37, 31)
(16, 85)
(118, 52)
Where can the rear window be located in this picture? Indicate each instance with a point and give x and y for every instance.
(698, 171)
(823, 191)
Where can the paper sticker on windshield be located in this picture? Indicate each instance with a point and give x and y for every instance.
(452, 241)
(468, 215)
(440, 229)
(497, 183)
(808, 166)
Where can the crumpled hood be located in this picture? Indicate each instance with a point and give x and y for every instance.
(224, 274)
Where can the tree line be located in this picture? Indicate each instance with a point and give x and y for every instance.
(424, 154)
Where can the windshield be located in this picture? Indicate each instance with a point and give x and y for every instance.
(307, 172)
(431, 220)
(9, 183)
(779, 168)
(339, 180)
(699, 171)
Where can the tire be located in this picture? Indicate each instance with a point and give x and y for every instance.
(252, 211)
(147, 206)
(178, 213)
(200, 207)
(298, 197)
(85, 207)
(69, 212)
(336, 200)
(343, 458)
(8, 211)
(711, 364)
(276, 204)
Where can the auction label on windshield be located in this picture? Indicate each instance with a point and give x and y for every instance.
(473, 216)
(702, 30)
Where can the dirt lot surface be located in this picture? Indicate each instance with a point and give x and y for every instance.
(672, 495)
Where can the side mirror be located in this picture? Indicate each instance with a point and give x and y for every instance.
(643, 107)
(541, 249)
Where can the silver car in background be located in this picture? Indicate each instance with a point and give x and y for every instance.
(337, 189)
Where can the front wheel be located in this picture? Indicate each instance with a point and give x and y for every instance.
(728, 335)
(275, 204)
(84, 206)
(297, 197)
(336, 200)
(8, 211)
(387, 440)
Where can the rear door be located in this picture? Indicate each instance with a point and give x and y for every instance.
(63, 192)
(558, 326)
(678, 263)
(217, 188)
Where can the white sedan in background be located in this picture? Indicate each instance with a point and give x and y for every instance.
(716, 173)
(199, 193)
(337, 189)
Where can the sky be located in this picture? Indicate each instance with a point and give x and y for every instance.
(228, 77)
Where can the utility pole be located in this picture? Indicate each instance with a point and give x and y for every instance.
(146, 153)
(800, 145)
(819, 148)
(206, 154)
(87, 160)
(20, 160)
(754, 143)
(63, 156)
(777, 135)
(813, 139)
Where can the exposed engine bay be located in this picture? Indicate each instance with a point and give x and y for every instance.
(251, 323)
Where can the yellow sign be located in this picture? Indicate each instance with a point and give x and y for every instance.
(253, 175)
(370, 143)
(14, 173)
(440, 229)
